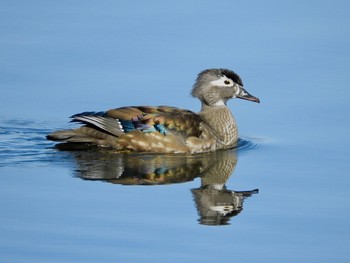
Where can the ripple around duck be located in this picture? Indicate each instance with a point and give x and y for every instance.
(24, 142)
(247, 144)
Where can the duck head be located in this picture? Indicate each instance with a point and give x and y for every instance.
(214, 87)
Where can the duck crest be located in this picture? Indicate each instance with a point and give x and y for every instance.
(164, 128)
(230, 74)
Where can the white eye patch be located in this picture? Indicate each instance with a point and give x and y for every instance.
(222, 82)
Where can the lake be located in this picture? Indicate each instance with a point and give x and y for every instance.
(281, 195)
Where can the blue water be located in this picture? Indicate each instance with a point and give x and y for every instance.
(284, 189)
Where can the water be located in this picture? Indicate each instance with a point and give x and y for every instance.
(282, 195)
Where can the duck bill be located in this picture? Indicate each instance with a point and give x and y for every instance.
(243, 94)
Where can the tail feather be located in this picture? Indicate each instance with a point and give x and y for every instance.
(71, 136)
(98, 129)
(82, 135)
(61, 135)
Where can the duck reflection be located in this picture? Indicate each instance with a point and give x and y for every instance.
(215, 203)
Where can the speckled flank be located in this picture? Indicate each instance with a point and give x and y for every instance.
(151, 142)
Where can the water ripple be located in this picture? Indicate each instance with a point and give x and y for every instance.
(247, 144)
(24, 142)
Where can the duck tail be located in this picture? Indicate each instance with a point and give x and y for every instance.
(97, 127)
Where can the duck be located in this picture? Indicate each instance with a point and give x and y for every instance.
(166, 129)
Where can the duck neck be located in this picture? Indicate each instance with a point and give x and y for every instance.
(221, 121)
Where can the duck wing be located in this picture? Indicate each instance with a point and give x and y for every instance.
(162, 119)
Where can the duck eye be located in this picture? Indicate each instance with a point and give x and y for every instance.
(227, 82)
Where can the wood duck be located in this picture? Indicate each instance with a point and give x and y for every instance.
(164, 129)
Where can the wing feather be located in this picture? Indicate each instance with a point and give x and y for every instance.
(107, 124)
(162, 119)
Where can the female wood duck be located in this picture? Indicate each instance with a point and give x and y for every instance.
(165, 129)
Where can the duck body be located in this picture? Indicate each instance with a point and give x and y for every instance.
(164, 129)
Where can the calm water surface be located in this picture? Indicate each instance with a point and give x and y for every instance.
(281, 196)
